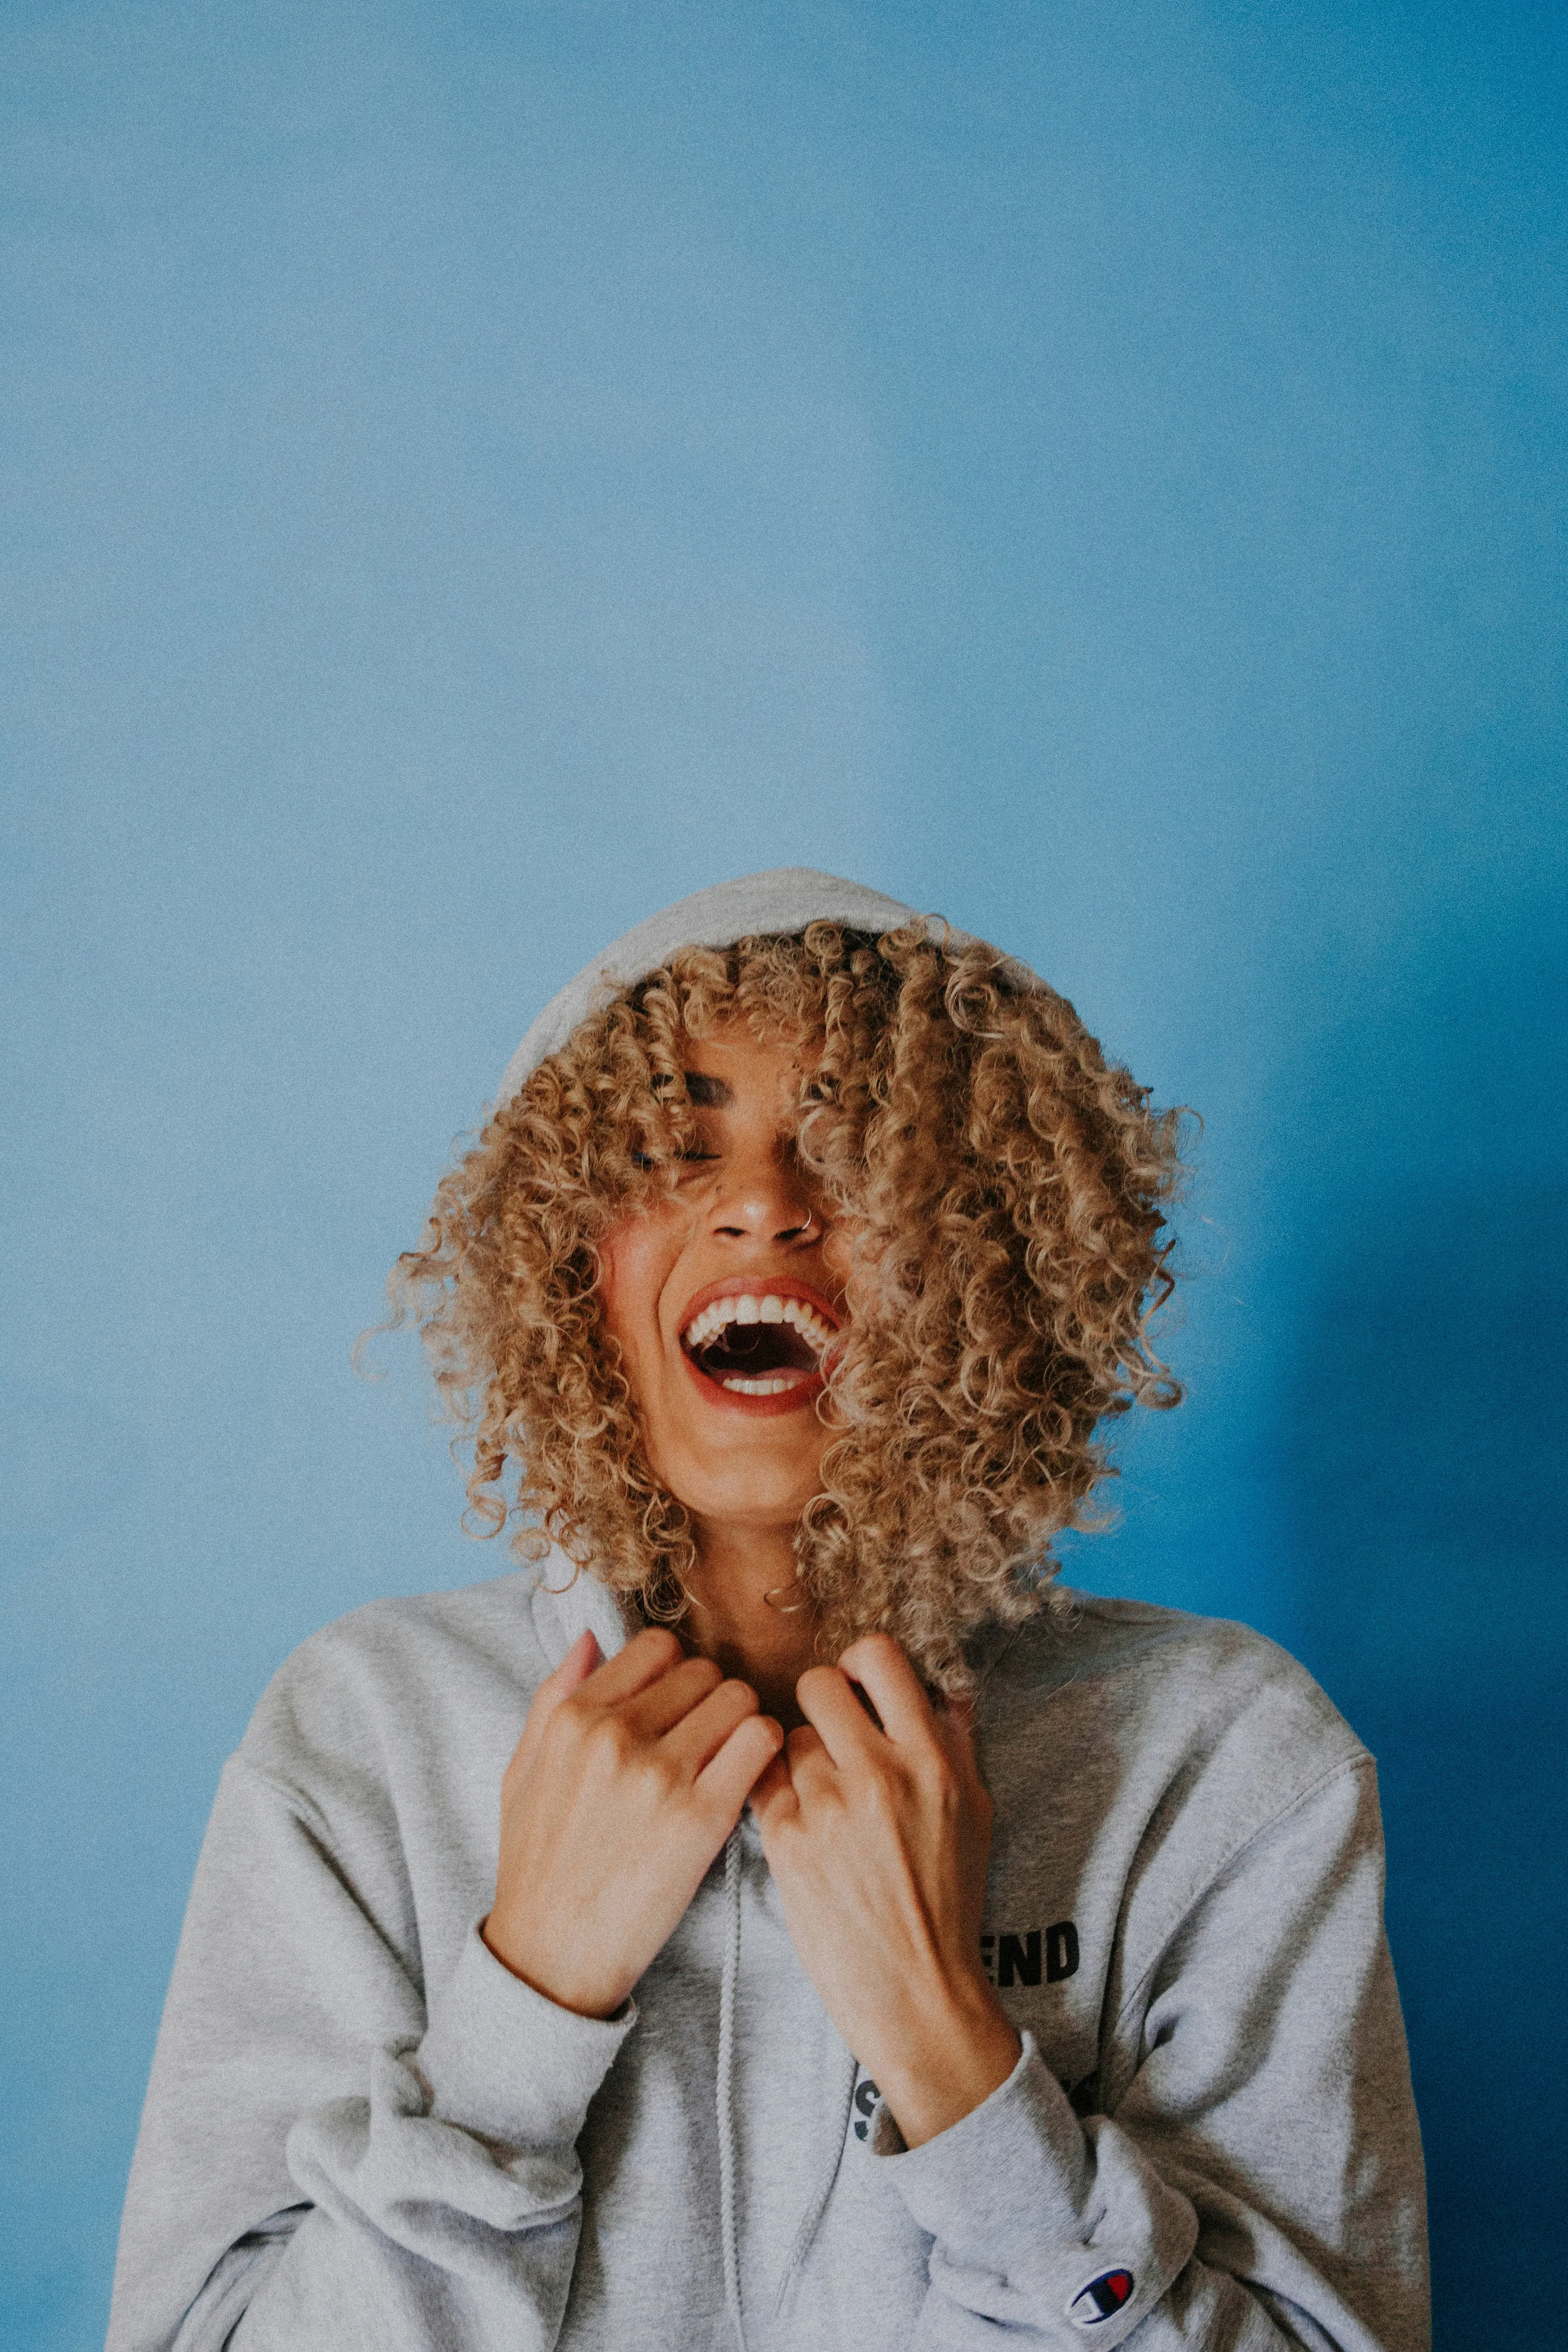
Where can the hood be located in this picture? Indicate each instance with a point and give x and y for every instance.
(566, 1601)
(785, 898)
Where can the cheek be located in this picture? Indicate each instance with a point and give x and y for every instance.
(635, 1260)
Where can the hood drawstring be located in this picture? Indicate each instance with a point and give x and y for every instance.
(812, 2217)
(823, 2190)
(726, 2088)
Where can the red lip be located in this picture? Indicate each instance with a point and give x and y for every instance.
(757, 1285)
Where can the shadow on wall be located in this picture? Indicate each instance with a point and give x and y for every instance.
(1426, 1475)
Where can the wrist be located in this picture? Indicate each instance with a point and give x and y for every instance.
(568, 1989)
(964, 2049)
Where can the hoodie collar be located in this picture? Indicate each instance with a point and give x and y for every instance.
(568, 1601)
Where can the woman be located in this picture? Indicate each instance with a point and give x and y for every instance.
(876, 1947)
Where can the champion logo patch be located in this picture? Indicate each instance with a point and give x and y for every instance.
(1102, 2299)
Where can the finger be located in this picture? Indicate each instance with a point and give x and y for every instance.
(774, 1798)
(726, 1782)
(697, 1739)
(808, 1758)
(829, 1703)
(958, 1714)
(879, 1665)
(955, 1727)
(572, 1672)
(646, 1655)
(662, 1704)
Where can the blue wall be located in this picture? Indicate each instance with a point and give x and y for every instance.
(476, 472)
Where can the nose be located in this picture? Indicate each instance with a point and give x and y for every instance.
(762, 1198)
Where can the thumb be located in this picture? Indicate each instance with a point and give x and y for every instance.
(956, 1728)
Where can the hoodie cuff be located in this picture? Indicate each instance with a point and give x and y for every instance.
(501, 2060)
(1039, 2223)
(1016, 2160)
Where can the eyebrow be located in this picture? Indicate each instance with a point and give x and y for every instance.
(706, 1093)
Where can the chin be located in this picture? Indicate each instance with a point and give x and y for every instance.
(746, 1493)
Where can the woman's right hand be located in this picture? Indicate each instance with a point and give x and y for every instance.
(628, 1780)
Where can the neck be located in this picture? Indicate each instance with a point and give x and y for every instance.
(734, 1623)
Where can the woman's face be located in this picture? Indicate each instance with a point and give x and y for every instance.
(725, 1300)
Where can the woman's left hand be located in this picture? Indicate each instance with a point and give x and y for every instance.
(878, 1840)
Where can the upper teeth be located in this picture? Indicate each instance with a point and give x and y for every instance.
(814, 1329)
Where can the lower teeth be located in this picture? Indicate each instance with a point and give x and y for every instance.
(764, 1387)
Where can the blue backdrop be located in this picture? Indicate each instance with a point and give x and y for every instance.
(477, 472)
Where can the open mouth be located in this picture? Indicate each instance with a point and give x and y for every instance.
(762, 1343)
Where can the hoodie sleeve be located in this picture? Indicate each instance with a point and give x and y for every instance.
(1257, 2185)
(323, 2164)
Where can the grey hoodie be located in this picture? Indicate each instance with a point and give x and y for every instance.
(364, 2135)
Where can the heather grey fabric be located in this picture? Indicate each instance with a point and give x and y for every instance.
(362, 2135)
(784, 900)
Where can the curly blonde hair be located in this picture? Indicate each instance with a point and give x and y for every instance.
(999, 1189)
